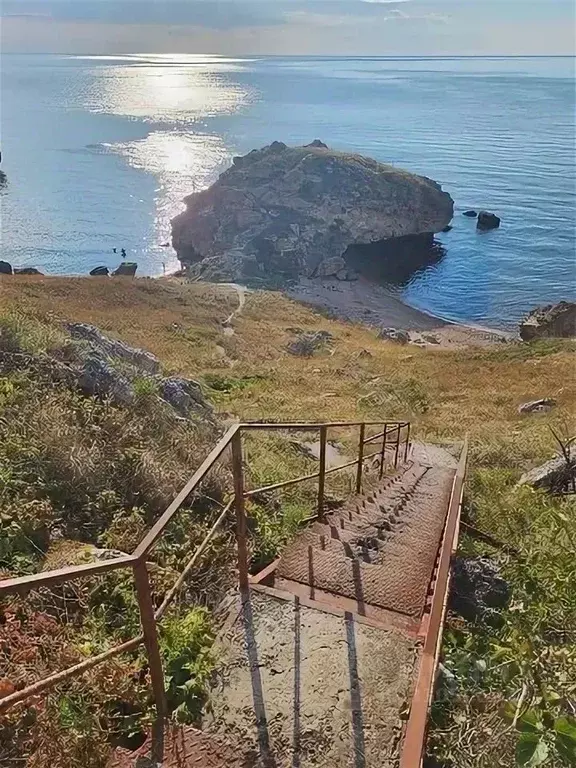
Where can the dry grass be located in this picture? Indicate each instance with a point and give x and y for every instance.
(444, 392)
(250, 375)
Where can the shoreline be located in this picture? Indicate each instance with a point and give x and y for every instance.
(374, 305)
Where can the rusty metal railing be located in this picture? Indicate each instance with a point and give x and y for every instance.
(394, 436)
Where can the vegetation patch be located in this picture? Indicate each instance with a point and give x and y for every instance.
(82, 473)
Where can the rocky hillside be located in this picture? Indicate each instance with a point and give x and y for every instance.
(290, 211)
(94, 444)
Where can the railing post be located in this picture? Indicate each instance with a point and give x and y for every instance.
(154, 659)
(407, 442)
(397, 449)
(383, 454)
(239, 503)
(322, 472)
(360, 458)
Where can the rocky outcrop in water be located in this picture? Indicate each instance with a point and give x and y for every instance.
(284, 211)
(5, 268)
(551, 321)
(487, 220)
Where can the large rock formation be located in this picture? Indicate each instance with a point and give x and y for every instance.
(283, 211)
(552, 321)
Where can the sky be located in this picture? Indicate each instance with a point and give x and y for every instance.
(306, 27)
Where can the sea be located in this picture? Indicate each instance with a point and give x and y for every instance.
(99, 152)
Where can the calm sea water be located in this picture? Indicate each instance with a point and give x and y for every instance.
(99, 152)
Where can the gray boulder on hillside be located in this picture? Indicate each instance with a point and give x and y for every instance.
(284, 210)
(113, 348)
(551, 321)
(555, 475)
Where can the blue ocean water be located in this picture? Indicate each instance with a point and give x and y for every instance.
(99, 152)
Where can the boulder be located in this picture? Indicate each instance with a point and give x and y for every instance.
(330, 267)
(284, 210)
(27, 271)
(308, 343)
(100, 272)
(551, 321)
(126, 269)
(99, 379)
(112, 348)
(5, 268)
(185, 396)
(477, 588)
(487, 220)
(543, 405)
(554, 476)
(470, 214)
(394, 334)
(348, 275)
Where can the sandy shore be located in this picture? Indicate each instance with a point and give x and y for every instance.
(372, 304)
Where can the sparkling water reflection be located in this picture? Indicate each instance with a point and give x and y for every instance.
(100, 150)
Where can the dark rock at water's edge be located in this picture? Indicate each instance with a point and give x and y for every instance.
(5, 268)
(447, 228)
(471, 214)
(27, 271)
(477, 589)
(551, 321)
(487, 220)
(100, 272)
(281, 211)
(126, 269)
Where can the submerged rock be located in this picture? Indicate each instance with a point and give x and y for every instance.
(284, 210)
(551, 321)
(471, 214)
(5, 268)
(487, 220)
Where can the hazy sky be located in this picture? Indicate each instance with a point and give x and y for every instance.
(367, 27)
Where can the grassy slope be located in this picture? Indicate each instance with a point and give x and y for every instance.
(444, 392)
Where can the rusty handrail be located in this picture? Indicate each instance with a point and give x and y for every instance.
(137, 560)
(158, 528)
(415, 735)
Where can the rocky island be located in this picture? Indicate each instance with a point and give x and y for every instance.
(282, 213)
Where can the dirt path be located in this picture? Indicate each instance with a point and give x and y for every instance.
(241, 291)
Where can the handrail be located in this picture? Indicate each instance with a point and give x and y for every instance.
(157, 529)
(137, 560)
(415, 735)
(69, 573)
